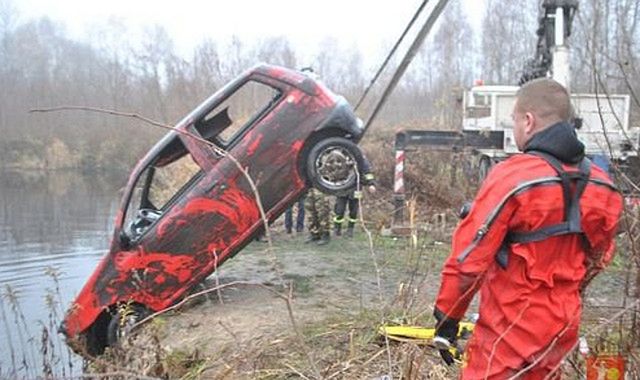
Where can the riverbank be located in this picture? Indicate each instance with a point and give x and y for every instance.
(254, 328)
(326, 327)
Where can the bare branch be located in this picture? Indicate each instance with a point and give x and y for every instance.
(504, 333)
(101, 110)
(592, 332)
(199, 139)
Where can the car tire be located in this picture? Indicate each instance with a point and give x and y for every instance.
(331, 165)
(120, 327)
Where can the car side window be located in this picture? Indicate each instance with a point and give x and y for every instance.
(169, 179)
(245, 105)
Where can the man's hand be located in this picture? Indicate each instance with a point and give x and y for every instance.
(446, 335)
(371, 189)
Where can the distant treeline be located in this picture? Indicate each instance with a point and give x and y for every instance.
(40, 66)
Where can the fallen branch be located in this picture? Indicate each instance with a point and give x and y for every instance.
(296, 371)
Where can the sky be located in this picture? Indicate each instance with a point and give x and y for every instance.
(367, 24)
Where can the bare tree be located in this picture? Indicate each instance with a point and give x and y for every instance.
(453, 48)
(207, 73)
(508, 39)
(277, 51)
(152, 58)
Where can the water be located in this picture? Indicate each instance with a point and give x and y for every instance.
(58, 222)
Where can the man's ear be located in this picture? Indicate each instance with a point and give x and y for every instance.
(530, 123)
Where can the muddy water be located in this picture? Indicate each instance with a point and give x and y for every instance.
(52, 226)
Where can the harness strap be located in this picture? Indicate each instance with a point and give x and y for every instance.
(539, 234)
(571, 223)
(488, 223)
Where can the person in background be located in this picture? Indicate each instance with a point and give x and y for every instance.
(319, 211)
(288, 216)
(352, 202)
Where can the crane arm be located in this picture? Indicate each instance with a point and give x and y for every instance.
(554, 27)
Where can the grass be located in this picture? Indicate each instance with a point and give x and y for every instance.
(343, 340)
(184, 365)
(301, 284)
(32, 356)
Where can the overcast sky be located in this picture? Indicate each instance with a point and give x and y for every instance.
(367, 24)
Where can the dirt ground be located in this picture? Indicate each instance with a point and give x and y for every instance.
(341, 293)
(327, 327)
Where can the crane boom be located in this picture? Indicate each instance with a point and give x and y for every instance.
(552, 51)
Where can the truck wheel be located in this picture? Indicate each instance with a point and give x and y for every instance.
(484, 165)
(122, 322)
(331, 165)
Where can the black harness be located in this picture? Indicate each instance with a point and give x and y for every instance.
(573, 184)
(571, 223)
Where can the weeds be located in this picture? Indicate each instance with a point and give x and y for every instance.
(27, 356)
(34, 357)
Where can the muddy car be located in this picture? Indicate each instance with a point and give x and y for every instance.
(188, 208)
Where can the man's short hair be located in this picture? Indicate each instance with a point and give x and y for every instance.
(545, 98)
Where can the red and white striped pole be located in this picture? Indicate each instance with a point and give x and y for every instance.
(398, 182)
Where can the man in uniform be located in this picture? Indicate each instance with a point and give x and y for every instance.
(319, 211)
(352, 201)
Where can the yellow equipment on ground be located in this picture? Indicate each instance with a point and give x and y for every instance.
(419, 334)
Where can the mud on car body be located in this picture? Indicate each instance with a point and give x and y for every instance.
(187, 208)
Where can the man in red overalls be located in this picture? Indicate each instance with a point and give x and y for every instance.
(540, 228)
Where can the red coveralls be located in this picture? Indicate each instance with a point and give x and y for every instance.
(529, 311)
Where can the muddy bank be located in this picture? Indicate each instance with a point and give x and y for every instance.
(326, 328)
(250, 330)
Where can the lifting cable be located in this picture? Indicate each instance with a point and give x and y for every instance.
(422, 34)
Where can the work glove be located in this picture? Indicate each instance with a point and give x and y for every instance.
(446, 335)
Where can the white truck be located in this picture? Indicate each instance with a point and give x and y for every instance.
(605, 128)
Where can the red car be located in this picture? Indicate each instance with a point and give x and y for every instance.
(188, 208)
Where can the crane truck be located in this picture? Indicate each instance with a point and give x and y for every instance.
(603, 119)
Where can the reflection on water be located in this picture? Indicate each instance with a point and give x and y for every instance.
(51, 225)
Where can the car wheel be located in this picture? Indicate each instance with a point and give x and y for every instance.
(123, 321)
(331, 165)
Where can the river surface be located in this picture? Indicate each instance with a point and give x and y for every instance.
(54, 228)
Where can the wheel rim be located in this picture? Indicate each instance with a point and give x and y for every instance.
(125, 325)
(335, 167)
(126, 322)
